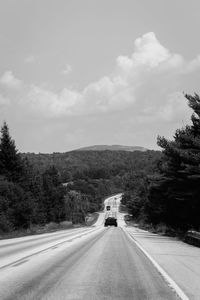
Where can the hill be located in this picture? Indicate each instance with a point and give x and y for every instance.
(114, 162)
(93, 175)
(112, 148)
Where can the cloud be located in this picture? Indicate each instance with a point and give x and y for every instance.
(147, 52)
(148, 55)
(142, 83)
(141, 98)
(10, 81)
(67, 70)
(48, 104)
(173, 109)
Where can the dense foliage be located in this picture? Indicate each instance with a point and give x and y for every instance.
(174, 198)
(43, 188)
(26, 196)
(95, 164)
(97, 174)
(170, 195)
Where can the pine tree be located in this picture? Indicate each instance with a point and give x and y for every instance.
(176, 195)
(16, 202)
(10, 162)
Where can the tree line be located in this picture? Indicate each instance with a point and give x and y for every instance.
(27, 197)
(171, 194)
(93, 175)
(43, 188)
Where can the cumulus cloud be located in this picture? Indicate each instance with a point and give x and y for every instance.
(147, 52)
(141, 98)
(48, 104)
(172, 109)
(143, 82)
(148, 55)
(10, 81)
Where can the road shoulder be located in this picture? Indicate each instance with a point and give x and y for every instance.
(180, 262)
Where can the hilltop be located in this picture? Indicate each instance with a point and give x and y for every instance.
(112, 148)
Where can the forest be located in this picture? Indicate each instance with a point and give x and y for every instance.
(43, 188)
(27, 197)
(159, 187)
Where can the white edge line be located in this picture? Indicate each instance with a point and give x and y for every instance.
(172, 284)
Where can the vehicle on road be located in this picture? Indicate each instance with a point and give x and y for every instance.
(110, 221)
(192, 237)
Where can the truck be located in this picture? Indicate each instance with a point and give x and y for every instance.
(108, 207)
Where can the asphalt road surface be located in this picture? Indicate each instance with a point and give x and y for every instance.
(85, 263)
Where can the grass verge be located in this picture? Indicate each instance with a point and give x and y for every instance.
(37, 229)
(161, 228)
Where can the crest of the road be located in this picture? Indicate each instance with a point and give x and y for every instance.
(114, 204)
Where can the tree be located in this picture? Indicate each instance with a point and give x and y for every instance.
(15, 203)
(76, 206)
(176, 195)
(135, 195)
(32, 184)
(10, 161)
(15, 206)
(53, 202)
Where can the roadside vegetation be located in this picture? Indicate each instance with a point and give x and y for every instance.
(27, 197)
(40, 189)
(168, 201)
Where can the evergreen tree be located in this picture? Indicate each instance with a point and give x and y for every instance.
(10, 162)
(175, 196)
(15, 206)
(16, 201)
(135, 195)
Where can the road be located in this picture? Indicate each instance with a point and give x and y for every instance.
(84, 263)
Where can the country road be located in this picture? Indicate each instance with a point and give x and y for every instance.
(84, 263)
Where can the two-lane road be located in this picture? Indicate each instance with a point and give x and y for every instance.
(85, 263)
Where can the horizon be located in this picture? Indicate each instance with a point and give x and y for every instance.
(90, 146)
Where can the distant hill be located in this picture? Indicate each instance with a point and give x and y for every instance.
(112, 148)
(77, 161)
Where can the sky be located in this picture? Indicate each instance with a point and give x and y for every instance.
(75, 73)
